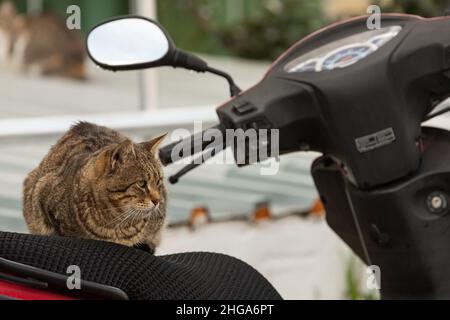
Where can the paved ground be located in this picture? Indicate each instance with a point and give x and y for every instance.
(302, 258)
(31, 96)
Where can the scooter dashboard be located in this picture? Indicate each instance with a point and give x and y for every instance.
(344, 52)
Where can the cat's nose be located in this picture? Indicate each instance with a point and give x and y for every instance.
(155, 197)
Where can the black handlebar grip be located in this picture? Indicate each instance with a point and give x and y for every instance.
(194, 144)
(165, 154)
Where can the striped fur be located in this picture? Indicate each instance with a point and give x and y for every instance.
(96, 183)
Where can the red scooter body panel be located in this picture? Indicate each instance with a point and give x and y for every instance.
(21, 292)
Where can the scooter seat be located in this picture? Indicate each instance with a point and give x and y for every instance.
(140, 275)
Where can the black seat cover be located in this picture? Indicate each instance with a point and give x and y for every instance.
(186, 276)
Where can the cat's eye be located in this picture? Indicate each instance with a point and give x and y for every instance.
(142, 184)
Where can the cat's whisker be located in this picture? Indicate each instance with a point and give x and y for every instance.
(120, 217)
(125, 210)
(158, 210)
(123, 221)
(135, 216)
(114, 221)
(130, 214)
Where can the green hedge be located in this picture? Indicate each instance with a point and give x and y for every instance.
(92, 11)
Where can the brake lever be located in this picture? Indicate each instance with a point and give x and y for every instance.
(197, 162)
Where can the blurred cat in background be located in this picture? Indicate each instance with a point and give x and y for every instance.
(40, 44)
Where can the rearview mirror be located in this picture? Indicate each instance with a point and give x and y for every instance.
(130, 43)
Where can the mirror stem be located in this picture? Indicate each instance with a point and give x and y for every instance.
(191, 62)
(234, 89)
(188, 61)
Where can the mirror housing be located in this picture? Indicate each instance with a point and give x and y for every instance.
(129, 43)
(134, 43)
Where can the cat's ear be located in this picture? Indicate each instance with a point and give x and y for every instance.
(7, 10)
(120, 153)
(154, 144)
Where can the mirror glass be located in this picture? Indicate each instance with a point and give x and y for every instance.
(127, 42)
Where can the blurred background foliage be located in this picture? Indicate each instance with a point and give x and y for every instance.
(262, 29)
(253, 29)
(425, 8)
(92, 12)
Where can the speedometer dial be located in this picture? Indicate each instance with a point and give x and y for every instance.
(310, 65)
(345, 56)
(342, 52)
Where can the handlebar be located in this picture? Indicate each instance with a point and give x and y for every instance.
(193, 144)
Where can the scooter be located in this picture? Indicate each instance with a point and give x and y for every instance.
(357, 95)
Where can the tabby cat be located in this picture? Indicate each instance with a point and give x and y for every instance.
(97, 184)
(40, 44)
